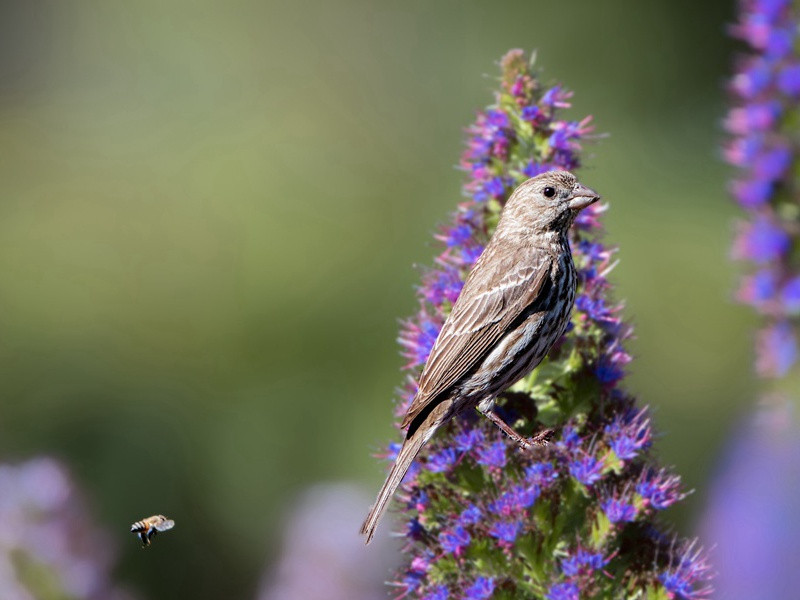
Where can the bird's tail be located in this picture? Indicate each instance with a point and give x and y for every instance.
(408, 452)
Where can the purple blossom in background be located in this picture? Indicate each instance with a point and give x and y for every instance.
(764, 126)
(751, 516)
(321, 559)
(497, 519)
(47, 534)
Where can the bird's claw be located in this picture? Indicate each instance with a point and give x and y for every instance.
(540, 439)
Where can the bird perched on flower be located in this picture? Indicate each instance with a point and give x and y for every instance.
(515, 304)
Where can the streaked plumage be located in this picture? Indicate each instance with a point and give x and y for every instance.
(514, 305)
(147, 528)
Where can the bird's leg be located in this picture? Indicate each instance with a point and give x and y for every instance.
(540, 439)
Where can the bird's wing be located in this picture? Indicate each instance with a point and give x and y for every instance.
(486, 307)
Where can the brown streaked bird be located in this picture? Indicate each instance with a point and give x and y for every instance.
(147, 528)
(515, 304)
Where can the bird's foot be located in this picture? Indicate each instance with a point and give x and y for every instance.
(540, 439)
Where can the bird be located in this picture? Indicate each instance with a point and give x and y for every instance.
(515, 304)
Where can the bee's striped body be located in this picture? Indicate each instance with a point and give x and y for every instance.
(147, 528)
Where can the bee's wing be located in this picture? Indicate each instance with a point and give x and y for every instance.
(165, 525)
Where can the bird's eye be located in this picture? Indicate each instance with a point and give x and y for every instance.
(549, 192)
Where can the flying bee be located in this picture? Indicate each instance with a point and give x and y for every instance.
(147, 528)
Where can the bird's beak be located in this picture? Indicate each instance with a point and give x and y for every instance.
(582, 197)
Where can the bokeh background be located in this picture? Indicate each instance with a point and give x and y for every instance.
(211, 215)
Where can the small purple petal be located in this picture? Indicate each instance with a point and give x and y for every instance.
(619, 511)
(455, 540)
(493, 456)
(506, 531)
(587, 469)
(563, 591)
(480, 590)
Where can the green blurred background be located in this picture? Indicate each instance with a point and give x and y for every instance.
(211, 214)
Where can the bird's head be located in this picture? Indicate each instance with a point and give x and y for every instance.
(548, 202)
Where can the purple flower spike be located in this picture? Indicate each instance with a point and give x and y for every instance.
(477, 509)
(50, 545)
(764, 128)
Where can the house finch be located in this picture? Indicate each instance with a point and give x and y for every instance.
(514, 305)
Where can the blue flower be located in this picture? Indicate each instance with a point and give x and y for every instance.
(506, 531)
(533, 168)
(467, 440)
(453, 541)
(495, 187)
(458, 235)
(608, 372)
(470, 515)
(541, 473)
(440, 592)
(442, 461)
(619, 511)
(659, 489)
(563, 591)
(582, 562)
(628, 434)
(481, 589)
(497, 118)
(515, 500)
(586, 469)
(531, 113)
(471, 253)
(492, 456)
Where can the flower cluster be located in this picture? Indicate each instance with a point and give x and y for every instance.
(576, 518)
(320, 558)
(763, 124)
(49, 546)
(752, 517)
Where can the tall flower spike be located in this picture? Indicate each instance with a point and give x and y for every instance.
(48, 542)
(576, 518)
(763, 124)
